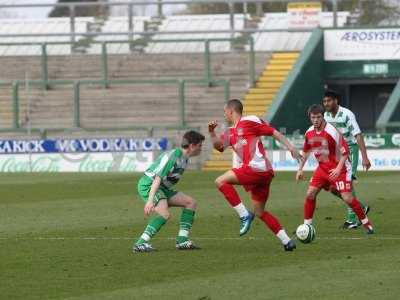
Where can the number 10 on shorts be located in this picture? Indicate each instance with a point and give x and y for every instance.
(340, 185)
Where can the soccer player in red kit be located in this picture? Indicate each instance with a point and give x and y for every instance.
(334, 168)
(253, 171)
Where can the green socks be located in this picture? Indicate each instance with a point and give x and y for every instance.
(155, 224)
(185, 224)
(151, 229)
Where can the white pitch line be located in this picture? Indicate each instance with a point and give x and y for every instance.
(195, 238)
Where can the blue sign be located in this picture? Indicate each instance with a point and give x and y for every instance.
(82, 145)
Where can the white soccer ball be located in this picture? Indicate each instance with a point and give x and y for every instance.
(305, 233)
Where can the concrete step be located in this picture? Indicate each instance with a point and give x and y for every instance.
(266, 91)
(260, 115)
(89, 66)
(264, 104)
(264, 84)
(256, 111)
(282, 73)
(258, 97)
(286, 55)
(279, 68)
(272, 78)
(282, 61)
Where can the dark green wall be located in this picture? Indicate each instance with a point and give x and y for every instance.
(366, 92)
(303, 87)
(305, 83)
(396, 115)
(354, 69)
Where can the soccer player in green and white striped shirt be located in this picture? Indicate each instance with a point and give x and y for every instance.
(345, 121)
(155, 189)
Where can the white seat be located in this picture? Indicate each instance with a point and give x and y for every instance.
(194, 23)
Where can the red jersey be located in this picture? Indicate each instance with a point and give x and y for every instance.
(246, 143)
(328, 146)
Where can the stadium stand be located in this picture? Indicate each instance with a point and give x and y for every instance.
(125, 105)
(267, 41)
(117, 25)
(144, 104)
(195, 23)
(134, 66)
(20, 67)
(6, 107)
(100, 108)
(39, 26)
(53, 108)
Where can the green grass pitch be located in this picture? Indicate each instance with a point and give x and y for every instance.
(69, 236)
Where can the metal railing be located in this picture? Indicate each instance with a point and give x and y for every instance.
(207, 73)
(150, 33)
(181, 85)
(160, 5)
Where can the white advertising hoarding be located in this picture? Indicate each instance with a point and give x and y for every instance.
(362, 44)
(381, 160)
(116, 154)
(76, 162)
(304, 15)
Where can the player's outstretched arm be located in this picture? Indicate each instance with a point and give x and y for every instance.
(283, 140)
(148, 208)
(363, 149)
(217, 144)
(300, 174)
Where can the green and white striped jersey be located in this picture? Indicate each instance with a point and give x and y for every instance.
(346, 123)
(169, 166)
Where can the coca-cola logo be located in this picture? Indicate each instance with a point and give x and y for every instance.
(90, 162)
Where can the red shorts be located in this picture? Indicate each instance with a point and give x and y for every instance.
(257, 183)
(320, 179)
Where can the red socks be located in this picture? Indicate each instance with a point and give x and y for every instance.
(309, 208)
(230, 194)
(271, 222)
(356, 207)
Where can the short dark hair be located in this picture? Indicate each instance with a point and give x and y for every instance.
(315, 109)
(236, 105)
(192, 137)
(332, 94)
